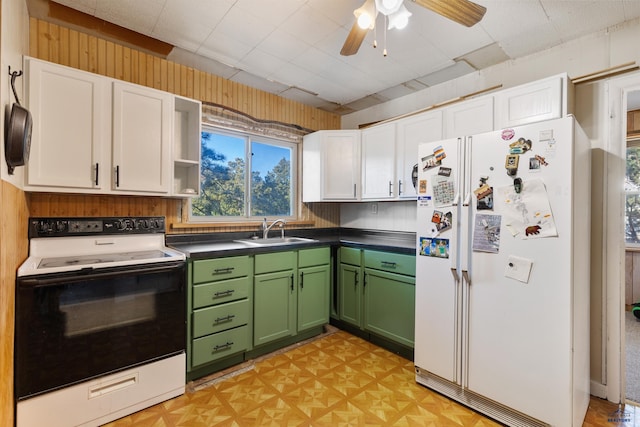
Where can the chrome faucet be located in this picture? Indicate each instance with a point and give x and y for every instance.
(266, 228)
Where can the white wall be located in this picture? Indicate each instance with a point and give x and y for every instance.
(397, 216)
(603, 122)
(14, 44)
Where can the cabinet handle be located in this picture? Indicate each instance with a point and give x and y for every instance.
(364, 282)
(356, 282)
(301, 279)
(223, 346)
(222, 270)
(223, 293)
(223, 319)
(292, 289)
(117, 176)
(97, 169)
(354, 191)
(388, 264)
(390, 190)
(399, 187)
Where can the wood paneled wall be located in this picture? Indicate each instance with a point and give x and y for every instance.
(58, 44)
(13, 251)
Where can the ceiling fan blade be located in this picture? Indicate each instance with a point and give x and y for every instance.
(354, 40)
(463, 12)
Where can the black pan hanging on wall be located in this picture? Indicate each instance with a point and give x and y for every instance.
(17, 132)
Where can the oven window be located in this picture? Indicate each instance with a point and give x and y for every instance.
(86, 310)
(73, 328)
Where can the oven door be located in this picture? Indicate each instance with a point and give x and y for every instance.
(71, 327)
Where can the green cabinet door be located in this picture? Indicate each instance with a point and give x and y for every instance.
(274, 306)
(390, 305)
(350, 294)
(313, 296)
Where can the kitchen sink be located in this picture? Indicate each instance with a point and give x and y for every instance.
(275, 241)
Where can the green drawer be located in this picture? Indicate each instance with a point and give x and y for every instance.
(220, 292)
(220, 317)
(217, 346)
(313, 256)
(350, 256)
(220, 268)
(275, 261)
(394, 263)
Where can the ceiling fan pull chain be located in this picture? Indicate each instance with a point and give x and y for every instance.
(384, 51)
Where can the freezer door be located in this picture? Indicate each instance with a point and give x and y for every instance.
(519, 326)
(437, 338)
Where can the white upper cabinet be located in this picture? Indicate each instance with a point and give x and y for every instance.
(533, 102)
(411, 132)
(71, 128)
(378, 162)
(141, 138)
(93, 134)
(331, 166)
(469, 118)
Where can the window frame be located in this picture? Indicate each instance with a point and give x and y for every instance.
(250, 138)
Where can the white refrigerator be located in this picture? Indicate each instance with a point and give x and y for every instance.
(502, 272)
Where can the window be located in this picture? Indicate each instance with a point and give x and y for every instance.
(632, 190)
(244, 177)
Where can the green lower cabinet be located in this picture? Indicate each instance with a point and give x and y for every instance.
(350, 294)
(274, 314)
(376, 297)
(313, 296)
(389, 305)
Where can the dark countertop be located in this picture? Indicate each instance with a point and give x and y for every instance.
(212, 245)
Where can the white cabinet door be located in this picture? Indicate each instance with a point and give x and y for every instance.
(541, 100)
(71, 127)
(331, 165)
(469, 117)
(141, 138)
(411, 132)
(378, 162)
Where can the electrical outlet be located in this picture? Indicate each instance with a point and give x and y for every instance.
(374, 208)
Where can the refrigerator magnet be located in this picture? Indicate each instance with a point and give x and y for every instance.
(484, 195)
(511, 164)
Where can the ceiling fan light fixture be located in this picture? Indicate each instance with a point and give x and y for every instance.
(399, 19)
(366, 15)
(387, 7)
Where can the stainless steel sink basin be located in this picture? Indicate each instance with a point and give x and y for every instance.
(275, 241)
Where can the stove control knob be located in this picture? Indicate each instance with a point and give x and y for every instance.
(43, 227)
(60, 226)
(123, 224)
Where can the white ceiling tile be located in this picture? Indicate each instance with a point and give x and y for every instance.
(265, 63)
(456, 70)
(136, 15)
(224, 48)
(283, 45)
(188, 28)
(308, 25)
(275, 12)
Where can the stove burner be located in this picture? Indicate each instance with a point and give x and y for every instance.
(100, 259)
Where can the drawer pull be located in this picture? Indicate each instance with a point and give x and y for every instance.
(223, 293)
(223, 270)
(224, 319)
(388, 264)
(223, 346)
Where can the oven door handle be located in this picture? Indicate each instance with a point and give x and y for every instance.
(66, 277)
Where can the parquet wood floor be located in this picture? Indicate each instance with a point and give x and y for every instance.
(336, 380)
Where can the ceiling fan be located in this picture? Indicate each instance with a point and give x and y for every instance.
(464, 12)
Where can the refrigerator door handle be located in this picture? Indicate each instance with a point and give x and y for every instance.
(467, 278)
(454, 271)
